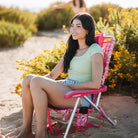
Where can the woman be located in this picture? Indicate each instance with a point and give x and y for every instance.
(83, 60)
(77, 6)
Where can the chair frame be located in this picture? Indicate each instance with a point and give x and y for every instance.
(83, 93)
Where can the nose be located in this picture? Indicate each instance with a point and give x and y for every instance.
(72, 29)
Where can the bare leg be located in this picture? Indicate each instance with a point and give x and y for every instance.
(44, 91)
(27, 109)
(40, 101)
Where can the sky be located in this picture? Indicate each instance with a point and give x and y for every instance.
(37, 5)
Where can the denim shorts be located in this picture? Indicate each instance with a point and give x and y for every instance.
(82, 100)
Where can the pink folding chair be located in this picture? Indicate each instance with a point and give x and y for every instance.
(107, 44)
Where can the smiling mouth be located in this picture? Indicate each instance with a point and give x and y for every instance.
(74, 34)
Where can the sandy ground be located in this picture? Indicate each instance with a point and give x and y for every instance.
(123, 109)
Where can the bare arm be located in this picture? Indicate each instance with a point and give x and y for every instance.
(61, 6)
(97, 71)
(58, 69)
(84, 5)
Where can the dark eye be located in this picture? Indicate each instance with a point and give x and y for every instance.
(78, 26)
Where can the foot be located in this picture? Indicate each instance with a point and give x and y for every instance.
(42, 135)
(26, 135)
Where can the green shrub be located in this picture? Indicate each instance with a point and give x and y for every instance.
(123, 25)
(42, 64)
(102, 10)
(12, 34)
(49, 20)
(17, 16)
(1, 8)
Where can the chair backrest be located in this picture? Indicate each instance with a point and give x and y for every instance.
(107, 44)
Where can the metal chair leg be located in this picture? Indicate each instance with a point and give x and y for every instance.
(71, 118)
(102, 113)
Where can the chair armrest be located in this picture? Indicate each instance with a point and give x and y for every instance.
(81, 93)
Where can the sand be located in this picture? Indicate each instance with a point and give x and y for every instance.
(122, 109)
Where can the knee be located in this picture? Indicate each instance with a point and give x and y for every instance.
(35, 82)
(27, 80)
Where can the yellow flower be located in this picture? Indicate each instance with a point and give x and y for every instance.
(63, 75)
(64, 26)
(118, 35)
(134, 65)
(126, 51)
(17, 61)
(96, 32)
(128, 75)
(127, 57)
(119, 65)
(105, 20)
(111, 70)
(109, 9)
(20, 62)
(111, 28)
(113, 81)
(133, 55)
(24, 74)
(116, 67)
(112, 86)
(122, 48)
(46, 50)
(18, 86)
(43, 68)
(108, 74)
(100, 18)
(124, 40)
(120, 75)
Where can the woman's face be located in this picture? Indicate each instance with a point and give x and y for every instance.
(77, 31)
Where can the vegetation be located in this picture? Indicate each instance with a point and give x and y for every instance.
(42, 64)
(49, 20)
(16, 26)
(123, 25)
(12, 34)
(101, 10)
(17, 16)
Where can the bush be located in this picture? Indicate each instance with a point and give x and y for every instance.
(42, 64)
(102, 10)
(17, 16)
(49, 20)
(12, 34)
(1, 8)
(123, 67)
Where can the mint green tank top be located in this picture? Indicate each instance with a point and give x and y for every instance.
(81, 66)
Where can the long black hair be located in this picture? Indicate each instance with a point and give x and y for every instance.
(81, 3)
(88, 24)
